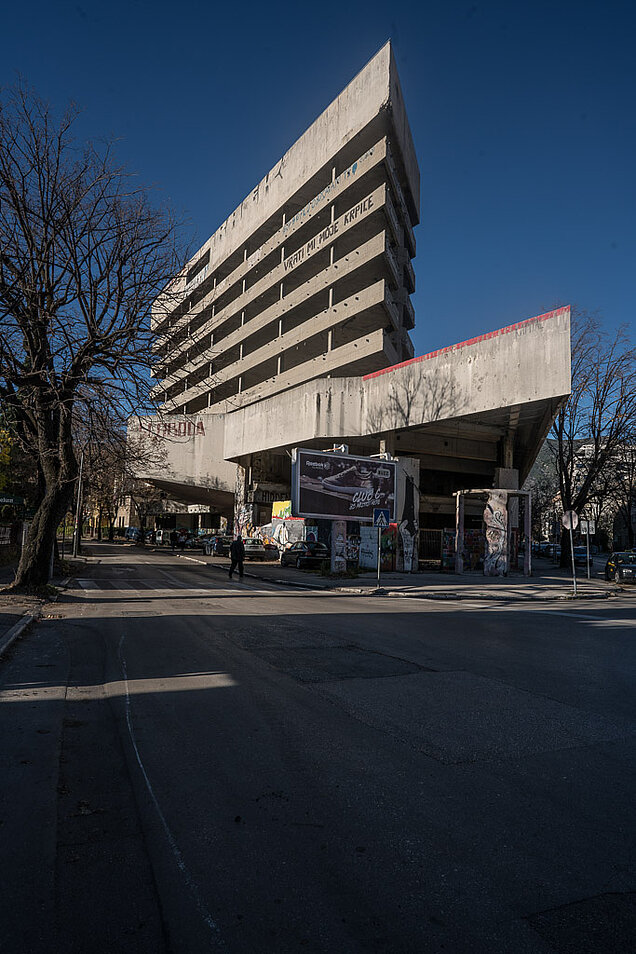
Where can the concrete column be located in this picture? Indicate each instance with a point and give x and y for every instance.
(280, 327)
(527, 532)
(459, 533)
(330, 340)
(282, 291)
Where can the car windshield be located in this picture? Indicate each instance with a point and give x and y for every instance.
(316, 546)
(627, 558)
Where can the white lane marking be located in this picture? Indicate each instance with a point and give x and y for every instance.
(183, 868)
(548, 612)
(88, 584)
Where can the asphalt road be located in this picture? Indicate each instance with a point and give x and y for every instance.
(190, 764)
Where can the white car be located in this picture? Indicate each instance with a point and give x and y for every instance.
(254, 549)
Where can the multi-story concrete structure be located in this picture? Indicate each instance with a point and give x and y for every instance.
(311, 276)
(290, 327)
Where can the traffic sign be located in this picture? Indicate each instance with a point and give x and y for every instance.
(588, 527)
(381, 516)
(12, 500)
(570, 520)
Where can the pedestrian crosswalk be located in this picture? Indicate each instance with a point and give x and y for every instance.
(154, 585)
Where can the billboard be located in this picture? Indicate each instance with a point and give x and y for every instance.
(340, 486)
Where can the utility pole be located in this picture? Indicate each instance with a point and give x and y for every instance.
(78, 507)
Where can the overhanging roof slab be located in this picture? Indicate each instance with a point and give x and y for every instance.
(525, 367)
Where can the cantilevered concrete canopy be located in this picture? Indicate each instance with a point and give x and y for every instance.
(464, 412)
(452, 405)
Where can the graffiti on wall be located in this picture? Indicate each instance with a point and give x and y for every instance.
(496, 520)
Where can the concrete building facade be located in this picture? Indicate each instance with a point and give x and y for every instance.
(311, 276)
(290, 327)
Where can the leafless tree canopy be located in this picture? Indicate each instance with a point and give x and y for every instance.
(598, 422)
(83, 255)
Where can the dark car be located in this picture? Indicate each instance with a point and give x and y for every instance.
(580, 556)
(621, 567)
(304, 553)
(217, 546)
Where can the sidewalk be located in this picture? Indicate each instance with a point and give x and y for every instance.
(547, 582)
(17, 612)
(14, 611)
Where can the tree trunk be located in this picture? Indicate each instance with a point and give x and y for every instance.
(566, 550)
(35, 559)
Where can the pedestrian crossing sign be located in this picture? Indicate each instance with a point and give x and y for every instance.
(381, 516)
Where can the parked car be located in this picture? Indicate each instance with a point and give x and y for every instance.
(254, 549)
(304, 553)
(217, 546)
(162, 537)
(621, 567)
(132, 533)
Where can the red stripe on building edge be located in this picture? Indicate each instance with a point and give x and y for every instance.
(471, 341)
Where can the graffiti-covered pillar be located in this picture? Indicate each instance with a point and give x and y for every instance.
(496, 520)
(242, 510)
(407, 514)
(338, 546)
(459, 533)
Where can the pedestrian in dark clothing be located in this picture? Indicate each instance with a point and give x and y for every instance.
(174, 538)
(237, 555)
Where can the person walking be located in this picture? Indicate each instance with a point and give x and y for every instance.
(174, 539)
(237, 556)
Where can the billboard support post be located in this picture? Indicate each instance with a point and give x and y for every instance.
(379, 553)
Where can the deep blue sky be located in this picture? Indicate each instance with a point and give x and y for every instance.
(523, 116)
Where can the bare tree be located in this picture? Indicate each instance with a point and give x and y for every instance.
(83, 255)
(599, 416)
(543, 484)
(623, 485)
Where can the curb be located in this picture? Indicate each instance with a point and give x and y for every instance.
(27, 619)
(17, 630)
